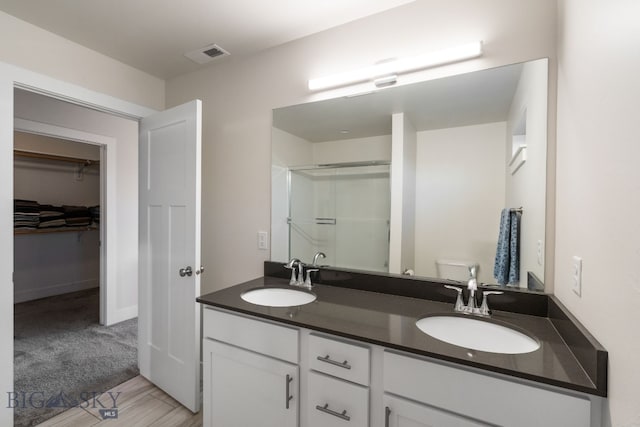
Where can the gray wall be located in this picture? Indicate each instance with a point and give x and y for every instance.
(598, 185)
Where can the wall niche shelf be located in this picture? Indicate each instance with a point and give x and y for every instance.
(518, 159)
(519, 143)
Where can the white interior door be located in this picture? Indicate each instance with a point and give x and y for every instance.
(169, 317)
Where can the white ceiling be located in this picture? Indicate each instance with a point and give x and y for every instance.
(463, 100)
(153, 35)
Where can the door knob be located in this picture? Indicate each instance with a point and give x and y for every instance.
(200, 270)
(185, 271)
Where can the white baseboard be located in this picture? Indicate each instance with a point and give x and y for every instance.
(122, 314)
(20, 295)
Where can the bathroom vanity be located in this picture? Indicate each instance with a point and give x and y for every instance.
(354, 357)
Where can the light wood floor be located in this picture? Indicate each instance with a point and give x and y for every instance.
(140, 404)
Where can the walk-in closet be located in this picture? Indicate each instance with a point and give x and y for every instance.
(56, 216)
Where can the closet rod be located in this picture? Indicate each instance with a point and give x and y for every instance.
(34, 155)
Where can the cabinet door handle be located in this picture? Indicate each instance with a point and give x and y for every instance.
(288, 395)
(387, 415)
(342, 415)
(327, 359)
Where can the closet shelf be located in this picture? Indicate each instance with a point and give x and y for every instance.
(43, 156)
(54, 230)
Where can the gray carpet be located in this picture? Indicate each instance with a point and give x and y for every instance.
(63, 355)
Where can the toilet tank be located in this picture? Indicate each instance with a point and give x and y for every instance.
(455, 269)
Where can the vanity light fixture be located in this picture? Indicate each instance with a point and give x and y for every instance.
(385, 73)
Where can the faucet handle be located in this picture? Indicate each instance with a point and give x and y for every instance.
(484, 308)
(293, 279)
(307, 283)
(459, 306)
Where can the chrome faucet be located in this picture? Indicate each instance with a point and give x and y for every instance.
(471, 306)
(291, 265)
(472, 286)
(300, 280)
(316, 256)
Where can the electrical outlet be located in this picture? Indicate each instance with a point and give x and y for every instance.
(539, 252)
(263, 240)
(577, 275)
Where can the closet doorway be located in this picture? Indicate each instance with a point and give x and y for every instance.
(75, 325)
(57, 199)
(117, 137)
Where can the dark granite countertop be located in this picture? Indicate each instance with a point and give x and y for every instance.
(389, 320)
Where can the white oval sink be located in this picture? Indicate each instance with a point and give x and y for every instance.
(278, 297)
(476, 334)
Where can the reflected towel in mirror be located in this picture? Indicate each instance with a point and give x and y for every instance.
(507, 264)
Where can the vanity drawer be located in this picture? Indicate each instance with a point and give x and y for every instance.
(333, 403)
(272, 340)
(340, 359)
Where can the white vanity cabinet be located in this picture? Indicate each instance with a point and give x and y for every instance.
(250, 372)
(263, 373)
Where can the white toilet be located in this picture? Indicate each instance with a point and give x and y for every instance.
(455, 269)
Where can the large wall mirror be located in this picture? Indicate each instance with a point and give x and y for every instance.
(416, 178)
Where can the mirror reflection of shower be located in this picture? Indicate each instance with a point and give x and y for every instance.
(342, 210)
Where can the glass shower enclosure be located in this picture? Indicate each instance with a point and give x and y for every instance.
(343, 211)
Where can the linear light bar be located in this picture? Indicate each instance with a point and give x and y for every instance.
(432, 59)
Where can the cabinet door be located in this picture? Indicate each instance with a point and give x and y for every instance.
(243, 389)
(404, 413)
(483, 397)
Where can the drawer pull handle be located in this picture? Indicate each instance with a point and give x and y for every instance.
(327, 359)
(288, 395)
(342, 415)
(387, 413)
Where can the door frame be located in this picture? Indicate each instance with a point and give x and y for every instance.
(12, 77)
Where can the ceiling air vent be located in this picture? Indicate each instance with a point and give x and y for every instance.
(206, 54)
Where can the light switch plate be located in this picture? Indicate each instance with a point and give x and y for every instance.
(577, 275)
(263, 240)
